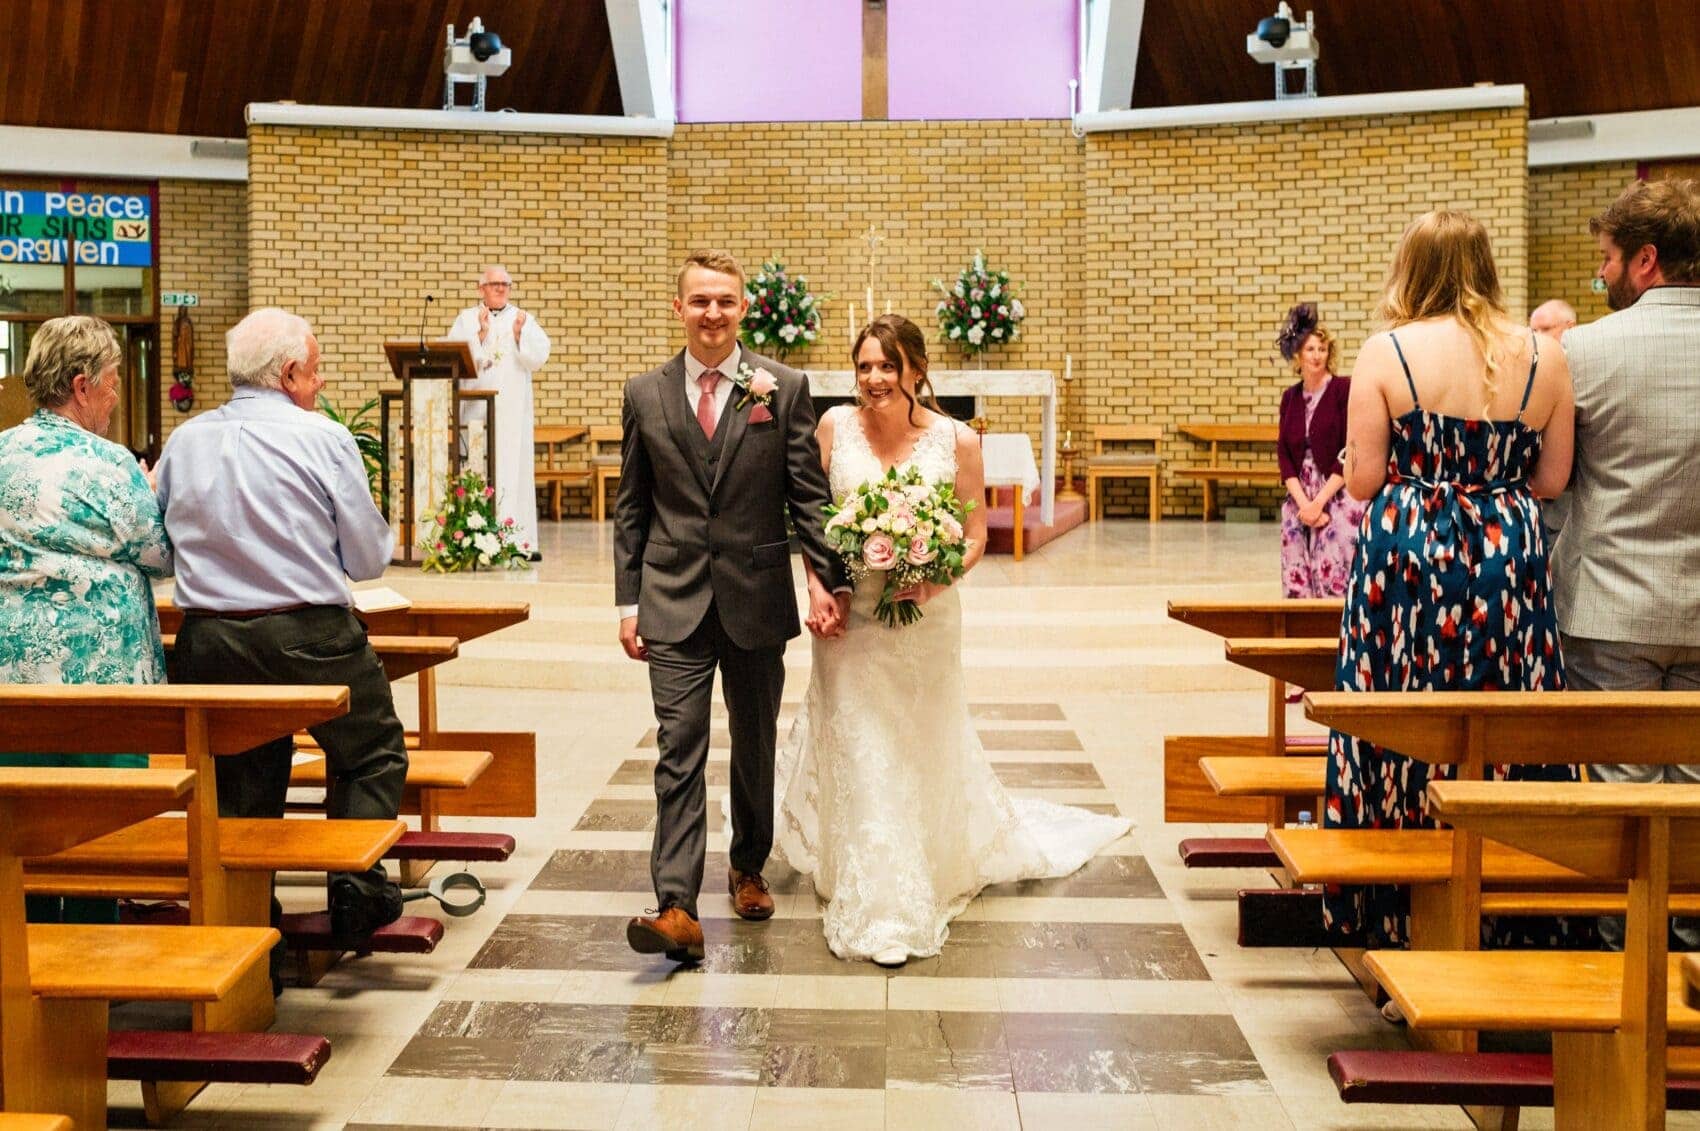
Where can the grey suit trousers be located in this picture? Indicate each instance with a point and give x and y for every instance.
(681, 679)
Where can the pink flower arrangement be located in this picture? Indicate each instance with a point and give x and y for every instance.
(904, 528)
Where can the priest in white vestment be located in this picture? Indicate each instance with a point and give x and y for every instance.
(508, 346)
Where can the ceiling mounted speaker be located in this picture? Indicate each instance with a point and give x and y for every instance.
(1561, 129)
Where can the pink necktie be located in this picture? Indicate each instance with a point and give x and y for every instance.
(706, 415)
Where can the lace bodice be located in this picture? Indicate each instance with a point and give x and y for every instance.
(854, 462)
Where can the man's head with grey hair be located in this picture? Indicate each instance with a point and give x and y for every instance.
(495, 285)
(1552, 318)
(257, 347)
(274, 349)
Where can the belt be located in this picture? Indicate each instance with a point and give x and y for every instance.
(250, 614)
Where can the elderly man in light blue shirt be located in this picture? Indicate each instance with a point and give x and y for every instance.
(266, 503)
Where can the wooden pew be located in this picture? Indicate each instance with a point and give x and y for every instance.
(1187, 795)
(56, 980)
(1217, 470)
(170, 858)
(1610, 1014)
(1472, 729)
(508, 788)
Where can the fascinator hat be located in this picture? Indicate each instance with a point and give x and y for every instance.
(1302, 321)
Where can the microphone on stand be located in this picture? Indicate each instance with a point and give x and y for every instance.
(424, 311)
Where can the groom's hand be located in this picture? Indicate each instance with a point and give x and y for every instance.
(629, 640)
(825, 619)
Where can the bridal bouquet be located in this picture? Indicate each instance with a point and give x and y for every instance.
(905, 527)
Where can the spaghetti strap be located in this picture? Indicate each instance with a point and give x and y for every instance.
(1394, 338)
(1529, 385)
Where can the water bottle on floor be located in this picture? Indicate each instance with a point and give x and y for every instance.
(1306, 821)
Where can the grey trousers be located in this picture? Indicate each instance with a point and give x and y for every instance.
(681, 681)
(1607, 665)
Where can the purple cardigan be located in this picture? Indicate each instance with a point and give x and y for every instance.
(1327, 428)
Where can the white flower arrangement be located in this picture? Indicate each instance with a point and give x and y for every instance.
(979, 310)
(783, 315)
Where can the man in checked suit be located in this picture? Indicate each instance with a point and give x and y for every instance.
(1627, 569)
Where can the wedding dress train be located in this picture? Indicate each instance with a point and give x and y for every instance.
(882, 790)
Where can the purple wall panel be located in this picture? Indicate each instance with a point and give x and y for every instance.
(769, 60)
(980, 58)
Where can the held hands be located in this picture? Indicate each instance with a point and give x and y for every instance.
(1313, 515)
(629, 640)
(829, 613)
(519, 324)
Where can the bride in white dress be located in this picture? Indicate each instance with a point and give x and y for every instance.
(882, 790)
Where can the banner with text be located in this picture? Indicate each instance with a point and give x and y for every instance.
(86, 228)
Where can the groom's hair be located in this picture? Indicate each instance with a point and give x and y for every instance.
(713, 259)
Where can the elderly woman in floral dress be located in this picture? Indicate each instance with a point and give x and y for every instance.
(80, 535)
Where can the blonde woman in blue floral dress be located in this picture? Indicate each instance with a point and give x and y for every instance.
(1460, 421)
(80, 535)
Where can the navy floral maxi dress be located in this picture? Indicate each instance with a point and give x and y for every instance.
(1448, 592)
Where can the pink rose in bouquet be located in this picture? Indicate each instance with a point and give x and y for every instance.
(879, 551)
(920, 552)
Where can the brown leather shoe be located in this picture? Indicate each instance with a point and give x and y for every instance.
(749, 895)
(673, 933)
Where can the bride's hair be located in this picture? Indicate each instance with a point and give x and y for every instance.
(901, 341)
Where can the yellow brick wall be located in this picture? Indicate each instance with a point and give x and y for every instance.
(203, 249)
(351, 228)
(1562, 255)
(806, 193)
(1161, 260)
(1197, 240)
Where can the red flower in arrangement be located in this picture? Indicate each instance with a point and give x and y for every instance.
(460, 492)
(488, 491)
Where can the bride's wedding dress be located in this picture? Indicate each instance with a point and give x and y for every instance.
(883, 791)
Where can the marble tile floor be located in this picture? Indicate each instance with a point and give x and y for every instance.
(1113, 998)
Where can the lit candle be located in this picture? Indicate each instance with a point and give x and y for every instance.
(888, 306)
(1068, 367)
(850, 313)
(870, 304)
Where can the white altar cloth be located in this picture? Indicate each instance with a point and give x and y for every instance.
(979, 384)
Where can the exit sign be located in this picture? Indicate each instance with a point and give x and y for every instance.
(179, 298)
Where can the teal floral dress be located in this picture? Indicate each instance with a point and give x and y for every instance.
(80, 535)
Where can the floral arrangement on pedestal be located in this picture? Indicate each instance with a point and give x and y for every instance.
(783, 315)
(465, 534)
(980, 310)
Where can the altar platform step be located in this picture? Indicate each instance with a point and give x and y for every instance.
(1000, 525)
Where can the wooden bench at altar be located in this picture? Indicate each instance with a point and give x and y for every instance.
(57, 980)
(1610, 1015)
(1187, 793)
(1218, 470)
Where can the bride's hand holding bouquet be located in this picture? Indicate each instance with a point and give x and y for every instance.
(907, 529)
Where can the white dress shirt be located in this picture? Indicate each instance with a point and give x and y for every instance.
(722, 391)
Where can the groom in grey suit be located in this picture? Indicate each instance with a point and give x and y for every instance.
(717, 443)
(1627, 568)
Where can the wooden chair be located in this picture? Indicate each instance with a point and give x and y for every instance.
(604, 466)
(552, 466)
(1107, 462)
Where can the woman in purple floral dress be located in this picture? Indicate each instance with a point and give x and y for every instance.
(1319, 521)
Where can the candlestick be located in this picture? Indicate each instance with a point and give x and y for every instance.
(850, 313)
(1068, 367)
(888, 306)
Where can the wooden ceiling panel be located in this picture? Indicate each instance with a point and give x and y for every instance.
(190, 66)
(1575, 56)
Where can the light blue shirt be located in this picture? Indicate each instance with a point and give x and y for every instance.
(267, 506)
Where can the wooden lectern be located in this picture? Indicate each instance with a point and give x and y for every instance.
(421, 425)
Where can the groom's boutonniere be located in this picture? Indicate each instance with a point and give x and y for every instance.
(758, 386)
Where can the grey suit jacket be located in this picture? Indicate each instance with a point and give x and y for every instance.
(695, 522)
(1627, 567)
